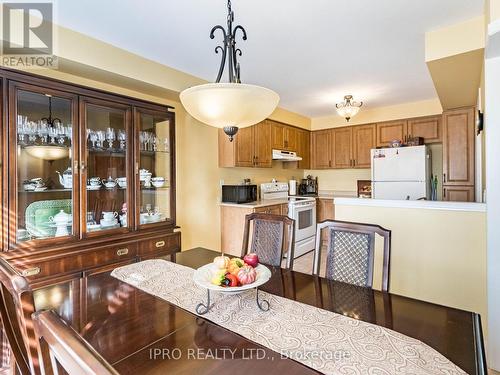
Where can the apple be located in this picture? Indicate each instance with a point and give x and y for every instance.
(251, 259)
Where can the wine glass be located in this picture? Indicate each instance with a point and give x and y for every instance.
(110, 137)
(101, 136)
(122, 137)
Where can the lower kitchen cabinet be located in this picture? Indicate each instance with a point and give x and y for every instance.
(233, 224)
(458, 193)
(325, 210)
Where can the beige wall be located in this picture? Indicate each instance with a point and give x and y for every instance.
(437, 255)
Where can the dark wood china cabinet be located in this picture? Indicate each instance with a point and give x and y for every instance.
(88, 179)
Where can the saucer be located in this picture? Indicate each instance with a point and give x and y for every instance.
(41, 188)
(93, 187)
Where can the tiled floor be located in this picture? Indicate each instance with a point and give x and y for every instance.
(304, 263)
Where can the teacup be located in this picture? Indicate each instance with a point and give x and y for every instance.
(109, 183)
(158, 181)
(122, 182)
(109, 215)
(94, 181)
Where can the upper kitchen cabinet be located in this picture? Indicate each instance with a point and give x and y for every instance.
(429, 128)
(363, 140)
(321, 141)
(458, 150)
(391, 130)
(304, 148)
(341, 148)
(251, 147)
(283, 137)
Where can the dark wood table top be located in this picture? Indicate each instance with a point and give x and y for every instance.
(142, 334)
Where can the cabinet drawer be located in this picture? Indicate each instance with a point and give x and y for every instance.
(80, 262)
(168, 243)
(274, 210)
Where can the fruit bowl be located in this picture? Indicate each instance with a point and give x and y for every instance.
(203, 275)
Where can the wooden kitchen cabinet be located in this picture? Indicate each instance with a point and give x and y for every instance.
(283, 137)
(429, 128)
(363, 140)
(233, 224)
(324, 210)
(459, 154)
(391, 130)
(458, 193)
(341, 150)
(304, 148)
(244, 150)
(320, 154)
(251, 147)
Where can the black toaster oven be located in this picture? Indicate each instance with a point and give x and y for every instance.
(239, 193)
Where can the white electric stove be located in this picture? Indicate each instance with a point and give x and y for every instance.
(301, 209)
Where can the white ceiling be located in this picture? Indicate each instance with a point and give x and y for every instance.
(311, 52)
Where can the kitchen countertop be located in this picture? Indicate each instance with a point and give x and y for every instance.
(428, 205)
(323, 194)
(256, 204)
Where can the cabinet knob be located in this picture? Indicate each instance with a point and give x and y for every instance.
(160, 244)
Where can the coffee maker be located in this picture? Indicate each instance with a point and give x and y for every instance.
(309, 186)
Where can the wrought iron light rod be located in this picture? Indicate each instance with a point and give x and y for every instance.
(228, 49)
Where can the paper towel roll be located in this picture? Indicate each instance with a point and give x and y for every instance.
(292, 187)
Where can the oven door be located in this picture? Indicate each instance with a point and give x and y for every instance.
(305, 219)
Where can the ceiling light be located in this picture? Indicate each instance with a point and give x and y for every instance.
(229, 105)
(348, 108)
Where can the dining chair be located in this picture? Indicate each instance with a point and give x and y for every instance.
(273, 236)
(350, 249)
(17, 305)
(62, 347)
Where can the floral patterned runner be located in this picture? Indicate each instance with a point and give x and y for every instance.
(322, 340)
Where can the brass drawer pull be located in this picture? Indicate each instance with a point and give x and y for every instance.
(121, 252)
(31, 271)
(160, 244)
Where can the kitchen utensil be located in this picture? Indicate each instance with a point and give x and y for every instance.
(109, 183)
(122, 182)
(66, 178)
(109, 215)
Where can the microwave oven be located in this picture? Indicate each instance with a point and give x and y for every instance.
(239, 193)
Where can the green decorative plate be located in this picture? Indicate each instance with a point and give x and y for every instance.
(38, 214)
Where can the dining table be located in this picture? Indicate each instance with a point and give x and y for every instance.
(139, 333)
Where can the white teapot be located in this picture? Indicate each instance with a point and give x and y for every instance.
(61, 220)
(66, 178)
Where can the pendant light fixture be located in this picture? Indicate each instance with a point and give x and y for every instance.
(229, 105)
(49, 152)
(348, 108)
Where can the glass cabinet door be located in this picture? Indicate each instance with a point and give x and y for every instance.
(43, 164)
(155, 168)
(107, 166)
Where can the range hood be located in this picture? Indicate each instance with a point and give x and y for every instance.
(285, 155)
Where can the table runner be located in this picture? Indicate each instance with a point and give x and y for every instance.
(322, 340)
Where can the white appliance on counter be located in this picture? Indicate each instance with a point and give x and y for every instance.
(301, 209)
(401, 173)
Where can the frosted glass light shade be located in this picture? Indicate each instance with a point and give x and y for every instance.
(48, 152)
(348, 111)
(229, 104)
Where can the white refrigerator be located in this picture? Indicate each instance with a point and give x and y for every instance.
(401, 173)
